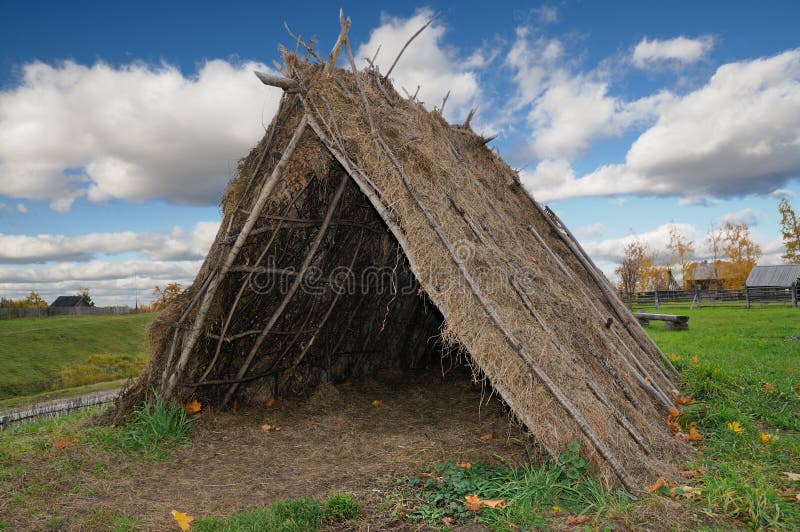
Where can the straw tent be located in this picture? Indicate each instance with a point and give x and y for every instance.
(363, 225)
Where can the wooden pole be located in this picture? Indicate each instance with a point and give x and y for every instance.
(292, 289)
(261, 200)
(534, 366)
(281, 82)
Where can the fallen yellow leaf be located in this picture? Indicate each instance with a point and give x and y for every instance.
(556, 509)
(488, 436)
(768, 387)
(735, 427)
(766, 438)
(655, 486)
(184, 520)
(465, 465)
(684, 400)
(377, 403)
(577, 519)
(271, 402)
(690, 492)
(193, 407)
(474, 503)
(792, 476)
(447, 521)
(694, 360)
(693, 434)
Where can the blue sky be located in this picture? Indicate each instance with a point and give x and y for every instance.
(121, 123)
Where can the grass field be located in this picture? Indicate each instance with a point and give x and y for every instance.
(742, 369)
(43, 354)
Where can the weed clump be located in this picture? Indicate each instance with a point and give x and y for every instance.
(341, 507)
(155, 429)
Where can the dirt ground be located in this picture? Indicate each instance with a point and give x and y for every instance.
(335, 440)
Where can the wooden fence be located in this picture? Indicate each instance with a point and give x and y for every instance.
(742, 297)
(42, 312)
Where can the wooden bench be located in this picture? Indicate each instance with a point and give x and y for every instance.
(671, 321)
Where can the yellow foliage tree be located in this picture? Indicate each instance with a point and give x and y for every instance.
(636, 271)
(741, 254)
(790, 230)
(681, 249)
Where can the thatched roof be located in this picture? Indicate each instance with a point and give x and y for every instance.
(70, 301)
(437, 239)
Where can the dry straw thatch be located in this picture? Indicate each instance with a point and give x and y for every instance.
(442, 241)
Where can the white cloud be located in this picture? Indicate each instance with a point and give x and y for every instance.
(737, 135)
(21, 208)
(747, 216)
(178, 245)
(134, 132)
(781, 193)
(612, 250)
(566, 110)
(680, 50)
(547, 14)
(591, 231)
(427, 62)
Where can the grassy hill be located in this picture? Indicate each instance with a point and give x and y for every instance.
(41, 354)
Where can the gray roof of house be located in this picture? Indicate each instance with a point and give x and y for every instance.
(67, 301)
(782, 275)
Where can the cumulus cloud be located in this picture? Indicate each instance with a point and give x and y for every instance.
(747, 216)
(21, 208)
(177, 245)
(680, 50)
(591, 231)
(566, 110)
(134, 132)
(739, 134)
(427, 63)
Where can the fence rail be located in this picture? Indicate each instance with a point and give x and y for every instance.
(43, 312)
(741, 297)
(55, 408)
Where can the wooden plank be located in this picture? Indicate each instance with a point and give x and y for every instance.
(663, 317)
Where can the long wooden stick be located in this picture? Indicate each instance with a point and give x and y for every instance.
(337, 47)
(518, 346)
(292, 289)
(528, 304)
(261, 200)
(641, 374)
(286, 84)
(403, 49)
(299, 358)
(625, 315)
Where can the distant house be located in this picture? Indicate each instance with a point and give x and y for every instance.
(705, 276)
(70, 301)
(773, 283)
(781, 276)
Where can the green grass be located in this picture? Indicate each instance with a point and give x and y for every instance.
(155, 429)
(41, 354)
(744, 371)
(531, 493)
(293, 515)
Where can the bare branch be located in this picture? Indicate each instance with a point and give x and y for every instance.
(444, 102)
(286, 84)
(334, 55)
(409, 42)
(469, 117)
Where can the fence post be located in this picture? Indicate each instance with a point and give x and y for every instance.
(794, 294)
(746, 297)
(655, 296)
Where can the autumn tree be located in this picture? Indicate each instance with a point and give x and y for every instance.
(681, 250)
(84, 292)
(741, 254)
(33, 300)
(636, 268)
(790, 230)
(166, 295)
